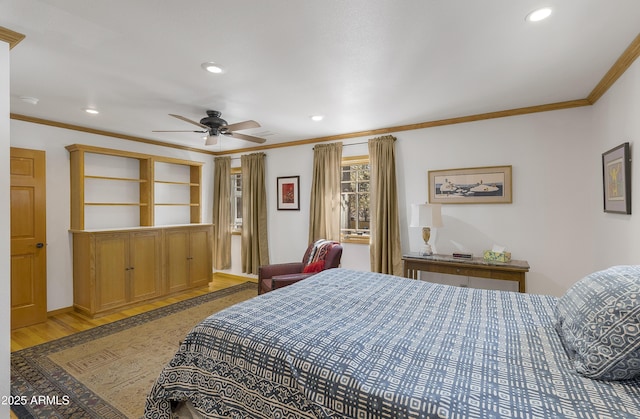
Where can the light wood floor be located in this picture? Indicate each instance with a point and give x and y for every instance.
(68, 323)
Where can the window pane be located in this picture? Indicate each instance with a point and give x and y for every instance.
(239, 208)
(363, 207)
(236, 200)
(355, 200)
(348, 187)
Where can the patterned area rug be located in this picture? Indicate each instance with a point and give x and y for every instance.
(106, 372)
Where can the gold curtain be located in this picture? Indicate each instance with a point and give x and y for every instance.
(255, 247)
(324, 214)
(222, 213)
(386, 253)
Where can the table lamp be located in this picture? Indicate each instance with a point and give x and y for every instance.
(426, 216)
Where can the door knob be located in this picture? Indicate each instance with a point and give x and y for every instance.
(39, 245)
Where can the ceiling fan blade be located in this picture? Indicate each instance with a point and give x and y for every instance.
(179, 131)
(243, 125)
(211, 140)
(189, 121)
(247, 137)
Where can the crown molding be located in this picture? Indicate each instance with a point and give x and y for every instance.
(619, 67)
(429, 124)
(10, 37)
(25, 118)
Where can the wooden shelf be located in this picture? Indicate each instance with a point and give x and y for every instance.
(176, 205)
(132, 204)
(168, 182)
(124, 179)
(146, 172)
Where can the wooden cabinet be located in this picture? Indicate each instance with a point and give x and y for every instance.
(114, 269)
(189, 257)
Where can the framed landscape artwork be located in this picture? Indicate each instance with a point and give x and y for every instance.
(476, 185)
(616, 179)
(289, 193)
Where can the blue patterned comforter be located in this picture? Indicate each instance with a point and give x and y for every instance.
(347, 344)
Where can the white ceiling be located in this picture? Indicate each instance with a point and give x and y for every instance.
(364, 64)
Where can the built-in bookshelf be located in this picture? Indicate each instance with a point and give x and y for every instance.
(176, 192)
(120, 189)
(136, 227)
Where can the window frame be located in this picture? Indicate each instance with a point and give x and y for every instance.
(354, 238)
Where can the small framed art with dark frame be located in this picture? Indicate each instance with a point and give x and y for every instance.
(616, 179)
(288, 193)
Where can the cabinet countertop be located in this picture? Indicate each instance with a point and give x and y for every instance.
(513, 264)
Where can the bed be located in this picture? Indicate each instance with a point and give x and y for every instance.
(350, 344)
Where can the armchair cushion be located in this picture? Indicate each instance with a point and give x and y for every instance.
(284, 280)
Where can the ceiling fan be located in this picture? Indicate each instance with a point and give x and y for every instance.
(215, 126)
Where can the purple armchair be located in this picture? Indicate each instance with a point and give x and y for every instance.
(271, 277)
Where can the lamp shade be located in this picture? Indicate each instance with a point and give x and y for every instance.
(426, 215)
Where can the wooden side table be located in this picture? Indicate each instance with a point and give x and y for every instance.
(477, 267)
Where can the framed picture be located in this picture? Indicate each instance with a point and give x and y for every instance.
(289, 193)
(475, 185)
(616, 179)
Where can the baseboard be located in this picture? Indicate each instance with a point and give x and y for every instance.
(59, 311)
(234, 276)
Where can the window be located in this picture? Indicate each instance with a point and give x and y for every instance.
(236, 199)
(354, 194)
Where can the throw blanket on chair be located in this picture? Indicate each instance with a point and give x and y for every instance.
(320, 250)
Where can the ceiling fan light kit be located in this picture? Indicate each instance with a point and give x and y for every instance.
(215, 126)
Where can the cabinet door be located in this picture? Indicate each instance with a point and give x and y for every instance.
(200, 257)
(145, 273)
(111, 264)
(177, 257)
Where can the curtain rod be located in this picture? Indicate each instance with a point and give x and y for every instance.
(347, 145)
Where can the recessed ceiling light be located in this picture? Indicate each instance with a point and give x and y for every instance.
(91, 111)
(317, 118)
(539, 14)
(211, 67)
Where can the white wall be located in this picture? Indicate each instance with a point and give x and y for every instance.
(556, 176)
(617, 238)
(53, 141)
(5, 238)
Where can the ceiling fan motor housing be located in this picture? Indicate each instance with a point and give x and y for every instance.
(213, 120)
